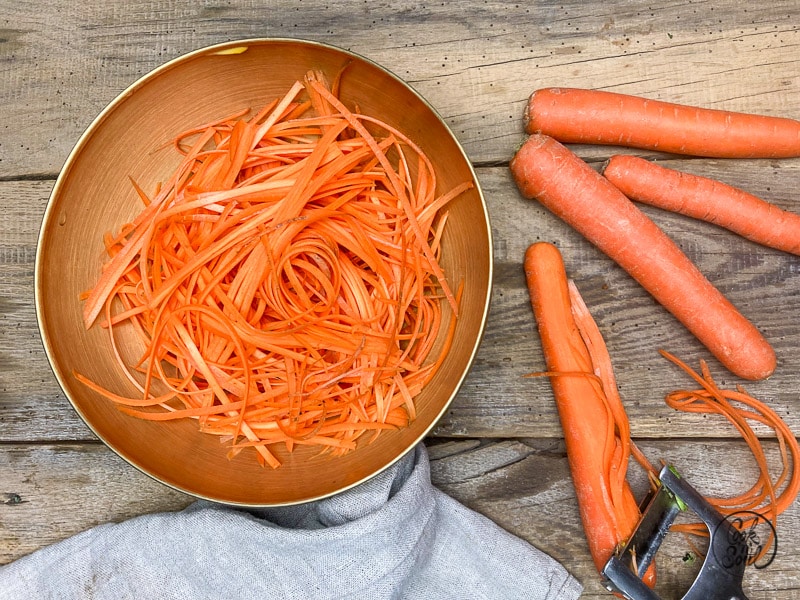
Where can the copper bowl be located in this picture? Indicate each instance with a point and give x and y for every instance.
(92, 196)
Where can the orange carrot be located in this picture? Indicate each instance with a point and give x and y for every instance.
(284, 283)
(767, 496)
(596, 117)
(595, 425)
(706, 199)
(547, 171)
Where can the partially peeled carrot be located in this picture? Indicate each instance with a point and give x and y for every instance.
(547, 171)
(596, 430)
(284, 283)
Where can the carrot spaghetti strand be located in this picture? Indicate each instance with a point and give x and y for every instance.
(284, 283)
(767, 496)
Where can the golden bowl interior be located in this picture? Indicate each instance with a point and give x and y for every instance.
(93, 195)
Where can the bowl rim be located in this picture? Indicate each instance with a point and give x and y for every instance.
(234, 47)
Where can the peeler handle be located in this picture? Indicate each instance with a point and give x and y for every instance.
(720, 576)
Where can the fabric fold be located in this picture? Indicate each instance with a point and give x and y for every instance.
(394, 536)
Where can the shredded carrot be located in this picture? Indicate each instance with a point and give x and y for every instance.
(284, 282)
(768, 496)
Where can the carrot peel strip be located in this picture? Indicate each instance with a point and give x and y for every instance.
(768, 496)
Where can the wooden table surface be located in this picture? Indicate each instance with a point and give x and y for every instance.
(499, 448)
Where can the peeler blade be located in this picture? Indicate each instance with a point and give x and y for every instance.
(720, 576)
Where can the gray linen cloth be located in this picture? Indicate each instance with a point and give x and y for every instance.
(394, 536)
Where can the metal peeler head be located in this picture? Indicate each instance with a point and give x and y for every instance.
(721, 574)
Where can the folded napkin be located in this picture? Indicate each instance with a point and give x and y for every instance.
(394, 536)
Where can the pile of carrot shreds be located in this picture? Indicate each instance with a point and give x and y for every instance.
(284, 283)
(600, 206)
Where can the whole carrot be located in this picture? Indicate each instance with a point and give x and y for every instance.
(706, 199)
(595, 425)
(573, 115)
(547, 171)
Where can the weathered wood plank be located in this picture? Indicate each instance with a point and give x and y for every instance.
(475, 62)
(49, 492)
(32, 405)
(496, 400)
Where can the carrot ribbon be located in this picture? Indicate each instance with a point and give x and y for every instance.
(284, 283)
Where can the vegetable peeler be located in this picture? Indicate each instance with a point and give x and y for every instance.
(721, 574)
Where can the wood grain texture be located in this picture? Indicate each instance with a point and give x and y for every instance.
(499, 448)
(497, 400)
(475, 62)
(50, 492)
